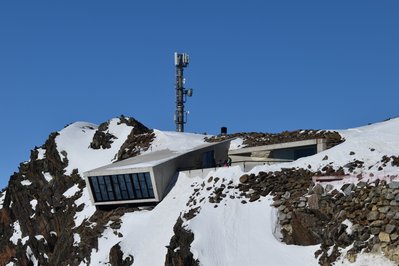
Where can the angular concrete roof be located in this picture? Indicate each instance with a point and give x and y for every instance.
(138, 162)
(143, 162)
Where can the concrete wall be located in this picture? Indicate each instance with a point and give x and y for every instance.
(193, 159)
(163, 174)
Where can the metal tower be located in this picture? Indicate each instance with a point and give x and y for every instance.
(181, 61)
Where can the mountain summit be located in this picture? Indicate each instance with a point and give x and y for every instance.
(338, 206)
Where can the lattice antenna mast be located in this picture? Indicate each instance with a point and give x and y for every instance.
(181, 61)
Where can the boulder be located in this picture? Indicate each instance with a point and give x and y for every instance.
(373, 215)
(394, 203)
(362, 184)
(318, 189)
(390, 228)
(375, 230)
(394, 236)
(254, 197)
(313, 202)
(390, 196)
(384, 209)
(393, 185)
(347, 189)
(301, 204)
(244, 178)
(377, 223)
(329, 188)
(384, 237)
(286, 195)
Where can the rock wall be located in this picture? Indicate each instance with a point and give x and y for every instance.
(179, 253)
(364, 216)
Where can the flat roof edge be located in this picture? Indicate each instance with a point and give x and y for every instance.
(282, 145)
(126, 202)
(116, 171)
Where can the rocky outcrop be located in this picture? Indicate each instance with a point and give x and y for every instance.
(138, 140)
(102, 139)
(179, 253)
(37, 208)
(116, 257)
(43, 219)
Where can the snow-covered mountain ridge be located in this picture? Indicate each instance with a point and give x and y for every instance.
(46, 216)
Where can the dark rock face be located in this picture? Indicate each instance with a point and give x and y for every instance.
(53, 212)
(138, 140)
(102, 139)
(116, 257)
(36, 207)
(179, 253)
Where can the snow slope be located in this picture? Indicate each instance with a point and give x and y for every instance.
(147, 233)
(75, 139)
(368, 144)
(232, 233)
(237, 234)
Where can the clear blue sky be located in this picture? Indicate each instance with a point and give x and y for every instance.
(255, 65)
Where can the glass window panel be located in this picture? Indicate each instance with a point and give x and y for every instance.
(103, 188)
(143, 185)
(123, 187)
(95, 188)
(136, 186)
(109, 187)
(116, 187)
(149, 185)
(94, 183)
(129, 186)
(98, 197)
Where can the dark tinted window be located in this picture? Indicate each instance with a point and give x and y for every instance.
(136, 185)
(129, 186)
(116, 187)
(103, 188)
(122, 187)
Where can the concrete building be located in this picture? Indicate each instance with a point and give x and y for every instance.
(249, 157)
(145, 178)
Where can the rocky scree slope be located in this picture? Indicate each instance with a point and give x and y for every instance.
(356, 214)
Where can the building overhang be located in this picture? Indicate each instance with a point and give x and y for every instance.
(154, 169)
